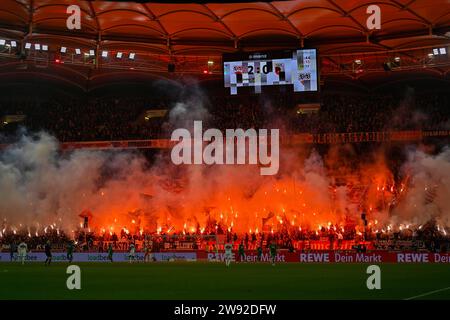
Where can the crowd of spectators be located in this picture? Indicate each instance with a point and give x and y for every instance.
(124, 118)
(88, 120)
(343, 114)
(430, 237)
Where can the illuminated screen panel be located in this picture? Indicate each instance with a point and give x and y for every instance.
(289, 67)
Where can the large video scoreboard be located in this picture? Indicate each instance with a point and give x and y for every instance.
(275, 68)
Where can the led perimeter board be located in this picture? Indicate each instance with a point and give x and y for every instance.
(273, 68)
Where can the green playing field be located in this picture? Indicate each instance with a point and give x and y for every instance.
(198, 280)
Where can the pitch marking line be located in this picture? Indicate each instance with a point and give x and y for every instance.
(427, 293)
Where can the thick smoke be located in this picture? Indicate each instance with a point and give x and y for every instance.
(406, 116)
(428, 195)
(192, 105)
(41, 185)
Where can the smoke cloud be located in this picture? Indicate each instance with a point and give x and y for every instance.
(41, 185)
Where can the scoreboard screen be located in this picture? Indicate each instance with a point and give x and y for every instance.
(289, 67)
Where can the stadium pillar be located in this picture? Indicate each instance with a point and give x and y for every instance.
(97, 50)
(96, 55)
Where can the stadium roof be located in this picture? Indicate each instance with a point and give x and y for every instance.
(333, 25)
(192, 34)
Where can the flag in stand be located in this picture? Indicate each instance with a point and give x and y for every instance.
(269, 216)
(86, 215)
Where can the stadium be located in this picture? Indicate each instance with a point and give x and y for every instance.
(225, 150)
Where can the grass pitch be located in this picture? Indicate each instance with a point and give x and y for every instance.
(199, 280)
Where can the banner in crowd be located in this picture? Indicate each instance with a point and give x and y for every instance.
(355, 137)
(125, 245)
(300, 138)
(101, 257)
(154, 113)
(358, 137)
(117, 245)
(333, 257)
(373, 257)
(251, 257)
(132, 144)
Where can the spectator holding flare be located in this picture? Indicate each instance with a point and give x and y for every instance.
(147, 251)
(340, 238)
(216, 251)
